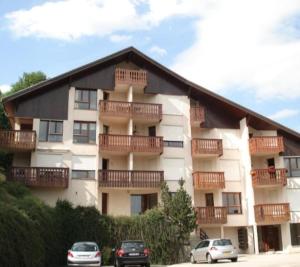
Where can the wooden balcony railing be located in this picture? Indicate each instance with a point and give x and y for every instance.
(202, 147)
(211, 215)
(269, 177)
(144, 111)
(131, 77)
(266, 145)
(130, 143)
(119, 178)
(17, 140)
(40, 177)
(197, 115)
(209, 180)
(272, 213)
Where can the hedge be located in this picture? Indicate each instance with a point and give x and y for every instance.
(33, 234)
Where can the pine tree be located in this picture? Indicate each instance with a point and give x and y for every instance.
(179, 211)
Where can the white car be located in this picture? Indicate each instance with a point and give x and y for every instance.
(84, 254)
(212, 250)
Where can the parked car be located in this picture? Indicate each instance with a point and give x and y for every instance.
(212, 250)
(84, 254)
(132, 252)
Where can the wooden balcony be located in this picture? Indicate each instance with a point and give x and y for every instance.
(197, 116)
(40, 177)
(211, 215)
(207, 147)
(140, 179)
(124, 144)
(208, 180)
(16, 140)
(269, 177)
(127, 77)
(122, 111)
(272, 213)
(265, 145)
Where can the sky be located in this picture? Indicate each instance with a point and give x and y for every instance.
(245, 50)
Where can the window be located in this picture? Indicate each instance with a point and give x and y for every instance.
(293, 166)
(173, 143)
(85, 99)
(83, 174)
(222, 242)
(51, 131)
(295, 234)
(205, 244)
(84, 132)
(233, 202)
(141, 203)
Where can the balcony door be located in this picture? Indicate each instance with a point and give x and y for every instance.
(104, 203)
(270, 238)
(209, 202)
(152, 131)
(105, 129)
(209, 199)
(105, 96)
(25, 127)
(105, 166)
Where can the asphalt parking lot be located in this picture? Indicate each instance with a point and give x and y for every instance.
(270, 260)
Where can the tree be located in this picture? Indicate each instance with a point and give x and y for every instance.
(178, 209)
(4, 124)
(28, 79)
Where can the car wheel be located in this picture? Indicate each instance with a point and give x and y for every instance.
(192, 259)
(147, 265)
(210, 259)
(234, 259)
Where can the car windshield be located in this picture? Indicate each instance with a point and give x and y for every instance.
(126, 245)
(84, 247)
(222, 242)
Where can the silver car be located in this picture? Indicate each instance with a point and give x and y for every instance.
(212, 250)
(84, 254)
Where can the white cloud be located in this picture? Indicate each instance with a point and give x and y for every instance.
(158, 50)
(72, 19)
(4, 88)
(284, 113)
(118, 38)
(243, 44)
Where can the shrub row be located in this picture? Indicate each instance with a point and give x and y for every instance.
(34, 234)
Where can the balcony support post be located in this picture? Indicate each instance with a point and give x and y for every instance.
(286, 236)
(222, 231)
(255, 239)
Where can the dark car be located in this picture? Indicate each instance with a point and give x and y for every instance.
(132, 252)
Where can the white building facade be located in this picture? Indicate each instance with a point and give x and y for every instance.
(109, 133)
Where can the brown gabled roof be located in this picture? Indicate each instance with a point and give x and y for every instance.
(239, 110)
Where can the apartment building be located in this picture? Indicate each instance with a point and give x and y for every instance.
(108, 133)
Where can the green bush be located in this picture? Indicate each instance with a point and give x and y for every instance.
(27, 228)
(34, 234)
(20, 242)
(153, 228)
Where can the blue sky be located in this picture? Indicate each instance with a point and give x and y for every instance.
(247, 51)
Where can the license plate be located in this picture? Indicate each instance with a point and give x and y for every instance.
(226, 252)
(134, 254)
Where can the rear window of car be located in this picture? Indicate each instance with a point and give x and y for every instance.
(222, 242)
(137, 245)
(84, 247)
